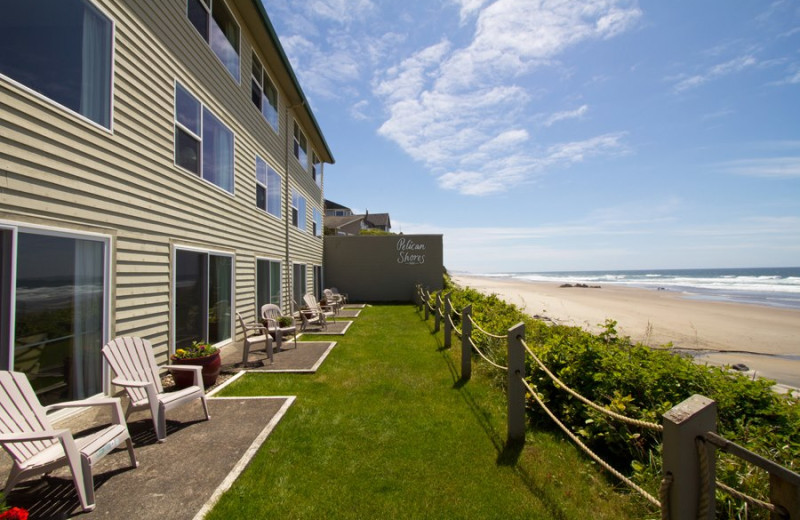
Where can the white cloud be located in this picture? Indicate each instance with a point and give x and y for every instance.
(770, 167)
(357, 111)
(342, 11)
(461, 110)
(717, 71)
(409, 79)
(570, 114)
(469, 7)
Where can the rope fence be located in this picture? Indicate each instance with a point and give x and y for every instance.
(605, 411)
(687, 489)
(650, 498)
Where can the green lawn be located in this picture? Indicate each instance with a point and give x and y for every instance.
(385, 429)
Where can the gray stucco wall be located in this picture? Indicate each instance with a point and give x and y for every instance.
(383, 268)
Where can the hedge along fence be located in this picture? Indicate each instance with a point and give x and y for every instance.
(686, 435)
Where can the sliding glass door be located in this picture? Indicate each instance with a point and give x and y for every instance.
(298, 284)
(268, 283)
(203, 296)
(54, 306)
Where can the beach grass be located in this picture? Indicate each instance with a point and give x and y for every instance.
(385, 429)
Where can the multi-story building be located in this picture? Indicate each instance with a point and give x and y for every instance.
(160, 170)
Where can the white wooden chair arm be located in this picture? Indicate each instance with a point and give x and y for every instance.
(128, 382)
(104, 401)
(34, 436)
(113, 402)
(197, 377)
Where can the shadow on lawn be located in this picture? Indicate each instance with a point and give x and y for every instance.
(508, 453)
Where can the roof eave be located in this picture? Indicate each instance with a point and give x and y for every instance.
(328, 158)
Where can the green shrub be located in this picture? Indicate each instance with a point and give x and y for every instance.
(643, 383)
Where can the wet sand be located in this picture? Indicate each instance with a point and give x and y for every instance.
(765, 339)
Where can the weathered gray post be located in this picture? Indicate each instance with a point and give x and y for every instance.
(425, 297)
(516, 390)
(683, 425)
(418, 295)
(448, 315)
(466, 348)
(785, 494)
(437, 312)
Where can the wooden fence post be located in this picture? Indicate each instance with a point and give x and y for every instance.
(425, 297)
(466, 348)
(437, 314)
(448, 318)
(516, 390)
(786, 495)
(683, 425)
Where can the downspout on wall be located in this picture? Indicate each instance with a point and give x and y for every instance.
(289, 267)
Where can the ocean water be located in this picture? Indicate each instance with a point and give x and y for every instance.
(775, 287)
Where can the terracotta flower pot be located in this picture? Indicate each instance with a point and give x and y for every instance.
(211, 366)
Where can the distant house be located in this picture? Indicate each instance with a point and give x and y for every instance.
(332, 209)
(340, 220)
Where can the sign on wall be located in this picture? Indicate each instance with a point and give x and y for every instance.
(410, 252)
(383, 268)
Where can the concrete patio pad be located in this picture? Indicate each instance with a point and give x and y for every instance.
(176, 479)
(333, 328)
(305, 358)
(348, 313)
(183, 477)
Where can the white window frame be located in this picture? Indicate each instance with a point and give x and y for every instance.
(280, 290)
(174, 268)
(199, 138)
(301, 219)
(264, 99)
(108, 254)
(305, 283)
(266, 187)
(316, 173)
(296, 148)
(78, 115)
(208, 5)
(318, 223)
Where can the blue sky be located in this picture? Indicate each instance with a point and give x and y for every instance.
(562, 135)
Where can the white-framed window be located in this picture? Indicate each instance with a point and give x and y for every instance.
(54, 296)
(316, 169)
(317, 223)
(202, 296)
(298, 284)
(318, 282)
(300, 146)
(298, 210)
(62, 50)
(268, 283)
(203, 144)
(264, 93)
(268, 188)
(216, 24)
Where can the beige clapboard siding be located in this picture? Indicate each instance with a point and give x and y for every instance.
(63, 169)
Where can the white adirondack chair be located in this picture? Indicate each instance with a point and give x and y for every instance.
(334, 302)
(313, 304)
(271, 314)
(36, 447)
(341, 297)
(254, 334)
(134, 364)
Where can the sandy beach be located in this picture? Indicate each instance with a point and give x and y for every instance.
(765, 339)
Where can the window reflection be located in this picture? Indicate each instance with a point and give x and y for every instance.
(62, 50)
(203, 291)
(59, 315)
